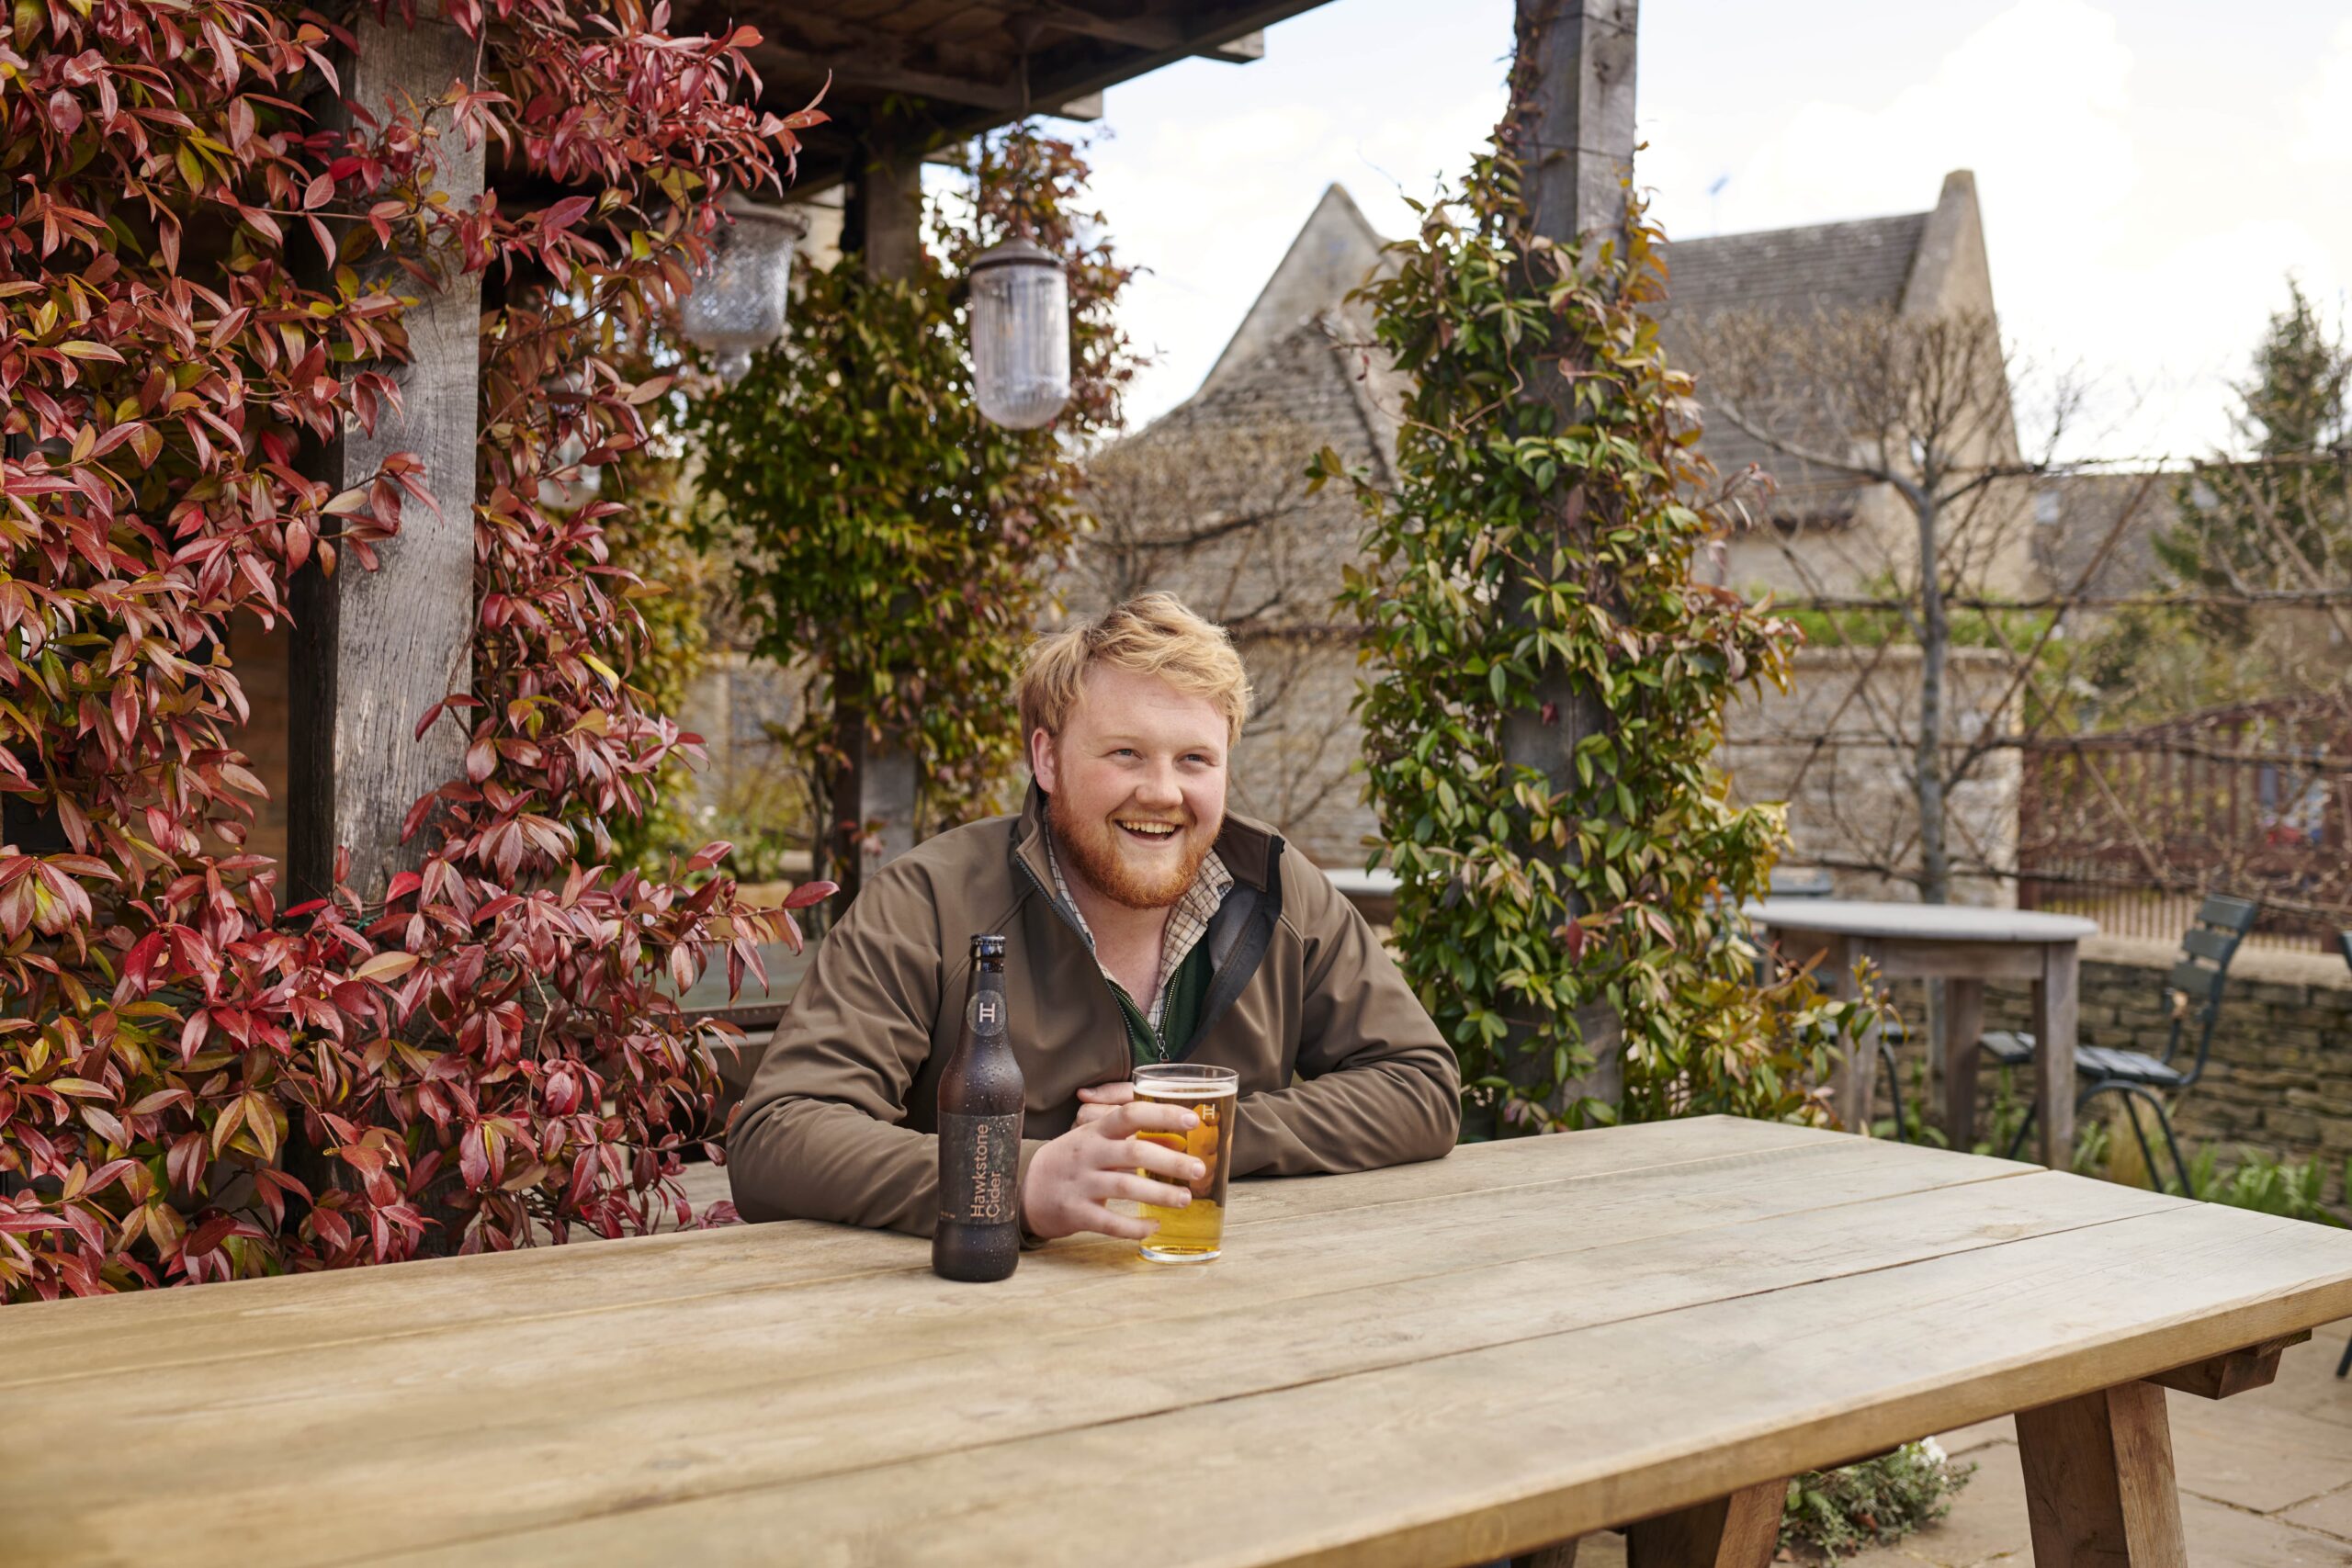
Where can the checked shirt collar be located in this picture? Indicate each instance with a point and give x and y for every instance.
(1187, 922)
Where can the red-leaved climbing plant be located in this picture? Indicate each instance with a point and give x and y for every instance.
(203, 269)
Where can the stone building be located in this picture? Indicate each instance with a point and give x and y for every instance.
(1839, 746)
(1824, 530)
(1209, 502)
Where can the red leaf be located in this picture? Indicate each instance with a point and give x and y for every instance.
(1573, 936)
(210, 1235)
(810, 893)
(565, 213)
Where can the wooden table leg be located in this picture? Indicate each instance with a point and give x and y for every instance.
(2054, 1009)
(1963, 1026)
(2098, 1481)
(1562, 1555)
(1739, 1531)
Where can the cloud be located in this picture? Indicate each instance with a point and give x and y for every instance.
(1209, 204)
(2121, 242)
(2034, 101)
(2325, 108)
(2145, 193)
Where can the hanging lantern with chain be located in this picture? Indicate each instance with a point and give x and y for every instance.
(738, 304)
(1020, 307)
(1020, 334)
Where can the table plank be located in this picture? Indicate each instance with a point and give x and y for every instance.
(1465, 1457)
(828, 1380)
(144, 1332)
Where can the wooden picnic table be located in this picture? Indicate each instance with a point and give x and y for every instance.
(1964, 946)
(1436, 1364)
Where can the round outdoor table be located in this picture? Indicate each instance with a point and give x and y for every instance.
(1963, 947)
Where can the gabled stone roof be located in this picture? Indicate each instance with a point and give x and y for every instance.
(1824, 266)
(1819, 270)
(1336, 250)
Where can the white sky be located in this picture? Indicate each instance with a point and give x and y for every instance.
(2150, 170)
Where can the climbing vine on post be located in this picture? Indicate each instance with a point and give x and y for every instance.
(886, 531)
(202, 278)
(1472, 595)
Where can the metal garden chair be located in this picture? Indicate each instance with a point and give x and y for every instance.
(2193, 990)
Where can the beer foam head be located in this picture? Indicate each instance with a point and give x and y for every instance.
(1183, 1085)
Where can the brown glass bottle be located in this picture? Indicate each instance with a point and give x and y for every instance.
(981, 1098)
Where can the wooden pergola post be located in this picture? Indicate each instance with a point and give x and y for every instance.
(879, 781)
(1580, 120)
(374, 649)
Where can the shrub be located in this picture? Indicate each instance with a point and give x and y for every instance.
(1871, 1503)
(1517, 547)
(200, 282)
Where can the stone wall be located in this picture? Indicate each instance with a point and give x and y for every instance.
(2280, 1078)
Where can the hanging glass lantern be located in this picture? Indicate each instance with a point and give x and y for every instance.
(737, 306)
(1020, 334)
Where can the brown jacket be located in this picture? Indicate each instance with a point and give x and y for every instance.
(839, 1121)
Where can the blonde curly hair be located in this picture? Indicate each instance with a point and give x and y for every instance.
(1152, 633)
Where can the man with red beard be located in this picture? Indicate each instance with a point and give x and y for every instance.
(1142, 923)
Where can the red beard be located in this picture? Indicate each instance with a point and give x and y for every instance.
(1095, 853)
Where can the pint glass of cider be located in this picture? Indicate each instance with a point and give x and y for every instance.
(1194, 1232)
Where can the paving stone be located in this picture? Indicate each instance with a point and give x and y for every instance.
(2332, 1513)
(2256, 1451)
(1606, 1550)
(1987, 1525)
(2223, 1535)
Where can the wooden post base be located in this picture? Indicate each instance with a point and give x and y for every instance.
(1737, 1532)
(2098, 1481)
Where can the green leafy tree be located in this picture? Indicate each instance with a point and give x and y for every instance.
(1518, 545)
(2251, 523)
(2260, 541)
(884, 531)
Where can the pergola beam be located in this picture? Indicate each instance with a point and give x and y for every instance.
(868, 66)
(1138, 30)
(1577, 70)
(877, 63)
(1086, 49)
(1142, 30)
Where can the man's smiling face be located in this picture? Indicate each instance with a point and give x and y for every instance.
(1135, 785)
